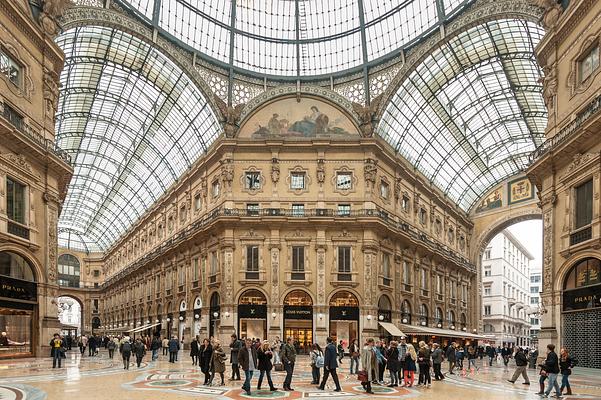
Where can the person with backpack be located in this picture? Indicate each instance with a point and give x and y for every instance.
(316, 363)
(125, 352)
(330, 364)
(393, 364)
(139, 351)
(235, 346)
(521, 363)
(551, 367)
(111, 346)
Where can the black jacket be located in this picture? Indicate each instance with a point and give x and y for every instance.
(139, 349)
(450, 354)
(551, 365)
(330, 354)
(243, 358)
(392, 355)
(264, 360)
(566, 365)
(205, 358)
(194, 348)
(520, 359)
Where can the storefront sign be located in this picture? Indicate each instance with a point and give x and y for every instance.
(252, 311)
(583, 298)
(298, 312)
(344, 313)
(18, 289)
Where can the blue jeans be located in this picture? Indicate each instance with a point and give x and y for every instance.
(553, 384)
(565, 383)
(56, 355)
(248, 375)
(155, 354)
(355, 362)
(263, 373)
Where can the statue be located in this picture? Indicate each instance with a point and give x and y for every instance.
(51, 11)
(551, 14)
(367, 116)
(321, 171)
(227, 173)
(231, 116)
(275, 170)
(370, 171)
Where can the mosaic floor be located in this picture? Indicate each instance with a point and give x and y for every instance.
(99, 378)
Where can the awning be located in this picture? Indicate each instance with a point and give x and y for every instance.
(392, 329)
(426, 330)
(144, 327)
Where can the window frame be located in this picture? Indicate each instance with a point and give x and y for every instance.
(294, 176)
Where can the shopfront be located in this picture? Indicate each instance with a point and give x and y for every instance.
(214, 314)
(18, 306)
(252, 315)
(298, 320)
(197, 316)
(344, 317)
(581, 312)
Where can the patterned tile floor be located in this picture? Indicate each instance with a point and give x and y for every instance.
(99, 378)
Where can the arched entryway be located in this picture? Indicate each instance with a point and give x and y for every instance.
(406, 312)
(344, 317)
(214, 313)
(581, 312)
(19, 305)
(70, 316)
(298, 319)
(197, 316)
(252, 314)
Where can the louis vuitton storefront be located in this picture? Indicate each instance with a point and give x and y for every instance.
(581, 312)
(252, 315)
(18, 306)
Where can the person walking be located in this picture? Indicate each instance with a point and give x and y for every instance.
(505, 354)
(330, 365)
(402, 353)
(173, 349)
(288, 355)
(410, 367)
(368, 365)
(217, 362)
(450, 355)
(206, 354)
(459, 356)
(354, 355)
(247, 358)
(111, 346)
(472, 355)
(437, 358)
(521, 363)
(393, 364)
(317, 363)
(491, 353)
(83, 343)
(139, 351)
(125, 350)
(566, 363)
(533, 358)
(340, 351)
(264, 356)
(423, 361)
(551, 367)
(165, 346)
(235, 346)
(155, 345)
(56, 350)
(194, 346)
(91, 346)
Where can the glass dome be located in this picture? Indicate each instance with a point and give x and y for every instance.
(292, 38)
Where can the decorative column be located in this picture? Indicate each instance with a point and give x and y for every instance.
(370, 280)
(548, 333)
(274, 326)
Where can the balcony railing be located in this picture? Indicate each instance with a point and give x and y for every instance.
(345, 277)
(581, 235)
(16, 120)
(297, 276)
(17, 229)
(252, 275)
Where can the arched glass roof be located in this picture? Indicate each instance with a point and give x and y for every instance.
(133, 123)
(293, 38)
(472, 111)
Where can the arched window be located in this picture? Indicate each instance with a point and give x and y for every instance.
(423, 314)
(215, 300)
(439, 316)
(586, 272)
(384, 309)
(406, 312)
(298, 298)
(463, 320)
(384, 303)
(344, 299)
(15, 266)
(253, 296)
(68, 271)
(451, 318)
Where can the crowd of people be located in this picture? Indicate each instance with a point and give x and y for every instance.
(372, 362)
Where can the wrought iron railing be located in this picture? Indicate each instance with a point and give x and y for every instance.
(581, 235)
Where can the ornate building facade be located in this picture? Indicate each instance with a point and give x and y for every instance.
(567, 171)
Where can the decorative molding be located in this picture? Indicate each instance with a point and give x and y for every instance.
(308, 180)
(342, 170)
(252, 191)
(580, 162)
(573, 80)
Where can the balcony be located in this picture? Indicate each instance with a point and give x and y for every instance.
(581, 235)
(17, 229)
(347, 279)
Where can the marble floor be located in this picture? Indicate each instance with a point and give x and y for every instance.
(99, 378)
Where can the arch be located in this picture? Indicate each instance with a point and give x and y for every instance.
(406, 311)
(197, 302)
(215, 300)
(463, 320)
(38, 272)
(69, 270)
(585, 272)
(13, 265)
(344, 298)
(183, 305)
(562, 272)
(65, 315)
(385, 303)
(439, 315)
(423, 313)
(252, 296)
(298, 297)
(451, 317)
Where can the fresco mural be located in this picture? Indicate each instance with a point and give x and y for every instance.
(492, 201)
(520, 190)
(305, 119)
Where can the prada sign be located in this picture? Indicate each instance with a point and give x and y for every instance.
(18, 289)
(344, 313)
(583, 298)
(250, 311)
(298, 312)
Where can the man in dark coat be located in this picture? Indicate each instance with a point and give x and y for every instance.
(288, 355)
(247, 358)
(491, 353)
(521, 362)
(139, 351)
(551, 367)
(330, 364)
(235, 347)
(450, 355)
(173, 349)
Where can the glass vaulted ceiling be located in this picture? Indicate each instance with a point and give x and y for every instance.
(133, 123)
(472, 111)
(296, 37)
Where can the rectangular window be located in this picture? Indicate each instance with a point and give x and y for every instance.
(344, 181)
(405, 203)
(384, 190)
(252, 262)
(589, 63)
(214, 263)
(252, 209)
(487, 291)
(486, 310)
(215, 188)
(297, 180)
(534, 300)
(96, 273)
(584, 204)
(487, 254)
(344, 210)
(453, 290)
(344, 263)
(534, 289)
(424, 279)
(11, 69)
(197, 202)
(438, 284)
(298, 210)
(195, 271)
(253, 180)
(298, 263)
(406, 273)
(15, 201)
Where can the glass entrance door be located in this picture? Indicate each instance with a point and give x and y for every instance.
(302, 337)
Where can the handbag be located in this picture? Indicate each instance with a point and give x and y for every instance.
(362, 376)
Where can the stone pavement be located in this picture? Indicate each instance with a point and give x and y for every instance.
(99, 378)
